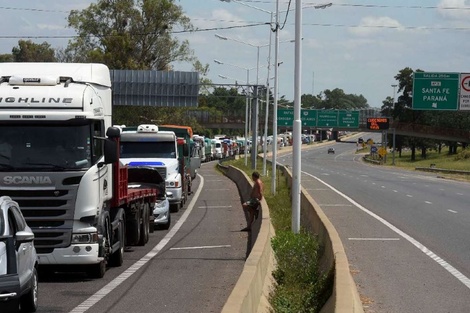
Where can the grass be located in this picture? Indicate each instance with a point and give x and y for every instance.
(300, 286)
(458, 162)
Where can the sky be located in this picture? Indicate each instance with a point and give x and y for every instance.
(354, 45)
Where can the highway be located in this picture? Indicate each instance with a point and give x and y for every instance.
(406, 234)
(192, 267)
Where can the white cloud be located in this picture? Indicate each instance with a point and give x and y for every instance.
(454, 9)
(371, 25)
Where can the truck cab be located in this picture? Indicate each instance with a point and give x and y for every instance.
(147, 145)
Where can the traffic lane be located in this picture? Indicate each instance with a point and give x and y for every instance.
(385, 266)
(70, 289)
(409, 201)
(199, 266)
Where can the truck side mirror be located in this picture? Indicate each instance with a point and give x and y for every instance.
(110, 151)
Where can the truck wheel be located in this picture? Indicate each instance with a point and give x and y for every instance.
(133, 230)
(29, 302)
(117, 258)
(175, 207)
(144, 226)
(97, 270)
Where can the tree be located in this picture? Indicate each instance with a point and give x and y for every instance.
(128, 34)
(27, 51)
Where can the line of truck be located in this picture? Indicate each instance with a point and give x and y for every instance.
(80, 182)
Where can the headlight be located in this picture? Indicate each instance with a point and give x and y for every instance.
(171, 184)
(85, 238)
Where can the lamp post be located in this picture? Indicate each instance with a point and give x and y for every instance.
(247, 101)
(393, 104)
(265, 147)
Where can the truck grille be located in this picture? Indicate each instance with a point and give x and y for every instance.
(49, 213)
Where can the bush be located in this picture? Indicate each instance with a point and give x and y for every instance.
(300, 284)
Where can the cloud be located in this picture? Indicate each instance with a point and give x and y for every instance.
(371, 25)
(454, 9)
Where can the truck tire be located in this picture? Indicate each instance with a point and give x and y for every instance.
(29, 302)
(117, 258)
(144, 226)
(174, 208)
(97, 270)
(133, 230)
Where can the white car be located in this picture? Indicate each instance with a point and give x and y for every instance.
(18, 261)
(161, 212)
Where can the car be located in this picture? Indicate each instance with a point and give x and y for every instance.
(161, 211)
(18, 260)
(331, 150)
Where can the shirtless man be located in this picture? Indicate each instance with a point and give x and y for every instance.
(252, 205)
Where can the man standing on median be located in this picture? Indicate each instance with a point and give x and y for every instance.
(252, 205)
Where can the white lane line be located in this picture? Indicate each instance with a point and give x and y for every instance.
(459, 193)
(409, 196)
(374, 239)
(215, 207)
(395, 190)
(452, 211)
(100, 294)
(452, 270)
(428, 202)
(382, 186)
(201, 247)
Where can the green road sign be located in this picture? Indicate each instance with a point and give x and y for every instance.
(308, 118)
(285, 117)
(436, 91)
(327, 118)
(348, 119)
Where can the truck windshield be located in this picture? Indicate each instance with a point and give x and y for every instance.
(148, 149)
(45, 147)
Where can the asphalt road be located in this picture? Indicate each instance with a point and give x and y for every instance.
(406, 234)
(192, 267)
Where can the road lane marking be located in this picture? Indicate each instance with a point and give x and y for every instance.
(201, 247)
(428, 202)
(100, 294)
(374, 239)
(452, 270)
(409, 196)
(452, 211)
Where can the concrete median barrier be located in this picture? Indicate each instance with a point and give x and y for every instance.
(251, 293)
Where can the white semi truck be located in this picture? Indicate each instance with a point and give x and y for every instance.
(56, 162)
(147, 145)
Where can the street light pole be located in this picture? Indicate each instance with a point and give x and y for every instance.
(247, 101)
(393, 104)
(276, 85)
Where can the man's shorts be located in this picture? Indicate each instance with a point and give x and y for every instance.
(253, 203)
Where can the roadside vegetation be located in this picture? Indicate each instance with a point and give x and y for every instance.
(300, 286)
(460, 161)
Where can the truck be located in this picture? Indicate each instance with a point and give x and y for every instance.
(148, 145)
(191, 160)
(59, 160)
